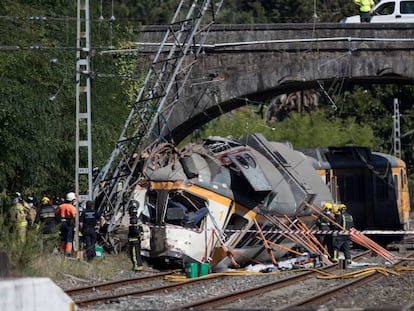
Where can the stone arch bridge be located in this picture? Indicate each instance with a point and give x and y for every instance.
(252, 63)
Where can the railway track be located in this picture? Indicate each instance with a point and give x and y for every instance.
(340, 289)
(259, 290)
(116, 284)
(313, 299)
(111, 291)
(157, 285)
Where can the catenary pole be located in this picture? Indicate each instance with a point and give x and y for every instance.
(83, 174)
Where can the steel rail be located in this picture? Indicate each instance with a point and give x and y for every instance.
(230, 297)
(94, 300)
(113, 284)
(322, 297)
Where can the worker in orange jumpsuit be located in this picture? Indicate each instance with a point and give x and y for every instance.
(66, 212)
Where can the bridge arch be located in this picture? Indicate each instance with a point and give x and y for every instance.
(257, 62)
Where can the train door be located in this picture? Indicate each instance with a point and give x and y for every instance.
(386, 193)
(397, 184)
(402, 196)
(352, 189)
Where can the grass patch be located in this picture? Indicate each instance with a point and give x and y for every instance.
(26, 259)
(62, 270)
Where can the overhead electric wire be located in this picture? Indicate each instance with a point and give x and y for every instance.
(43, 18)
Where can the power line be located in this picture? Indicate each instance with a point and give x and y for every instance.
(7, 48)
(42, 18)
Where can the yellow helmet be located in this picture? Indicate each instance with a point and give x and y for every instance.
(45, 200)
(327, 206)
(341, 207)
(336, 210)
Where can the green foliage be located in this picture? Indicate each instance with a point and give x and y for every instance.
(281, 11)
(37, 135)
(302, 130)
(367, 109)
(373, 105)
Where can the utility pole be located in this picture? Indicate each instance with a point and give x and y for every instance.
(83, 165)
(396, 130)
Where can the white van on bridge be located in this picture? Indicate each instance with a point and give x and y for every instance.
(388, 11)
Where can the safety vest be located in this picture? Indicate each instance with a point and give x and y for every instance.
(365, 5)
(323, 223)
(345, 220)
(135, 229)
(89, 220)
(18, 215)
(47, 212)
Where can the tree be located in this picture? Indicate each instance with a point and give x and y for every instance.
(301, 129)
(37, 104)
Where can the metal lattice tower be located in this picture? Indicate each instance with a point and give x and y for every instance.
(83, 175)
(396, 130)
(147, 120)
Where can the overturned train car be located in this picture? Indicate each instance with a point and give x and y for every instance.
(373, 185)
(225, 200)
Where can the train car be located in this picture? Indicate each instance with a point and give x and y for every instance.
(223, 201)
(373, 185)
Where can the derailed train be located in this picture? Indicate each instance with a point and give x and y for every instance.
(247, 192)
(373, 185)
(250, 188)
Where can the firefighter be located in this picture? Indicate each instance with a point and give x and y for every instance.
(66, 212)
(32, 204)
(47, 221)
(19, 218)
(88, 226)
(134, 237)
(342, 241)
(324, 223)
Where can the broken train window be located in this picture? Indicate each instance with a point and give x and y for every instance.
(185, 209)
(149, 211)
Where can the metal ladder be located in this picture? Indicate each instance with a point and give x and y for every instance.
(146, 121)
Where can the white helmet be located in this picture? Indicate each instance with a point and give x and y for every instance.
(70, 196)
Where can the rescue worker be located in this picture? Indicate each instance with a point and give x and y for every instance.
(134, 237)
(18, 218)
(88, 226)
(324, 223)
(57, 201)
(365, 9)
(47, 221)
(66, 212)
(342, 240)
(32, 205)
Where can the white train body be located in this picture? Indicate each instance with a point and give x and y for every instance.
(251, 188)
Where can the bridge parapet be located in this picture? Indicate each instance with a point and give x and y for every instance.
(220, 33)
(257, 62)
